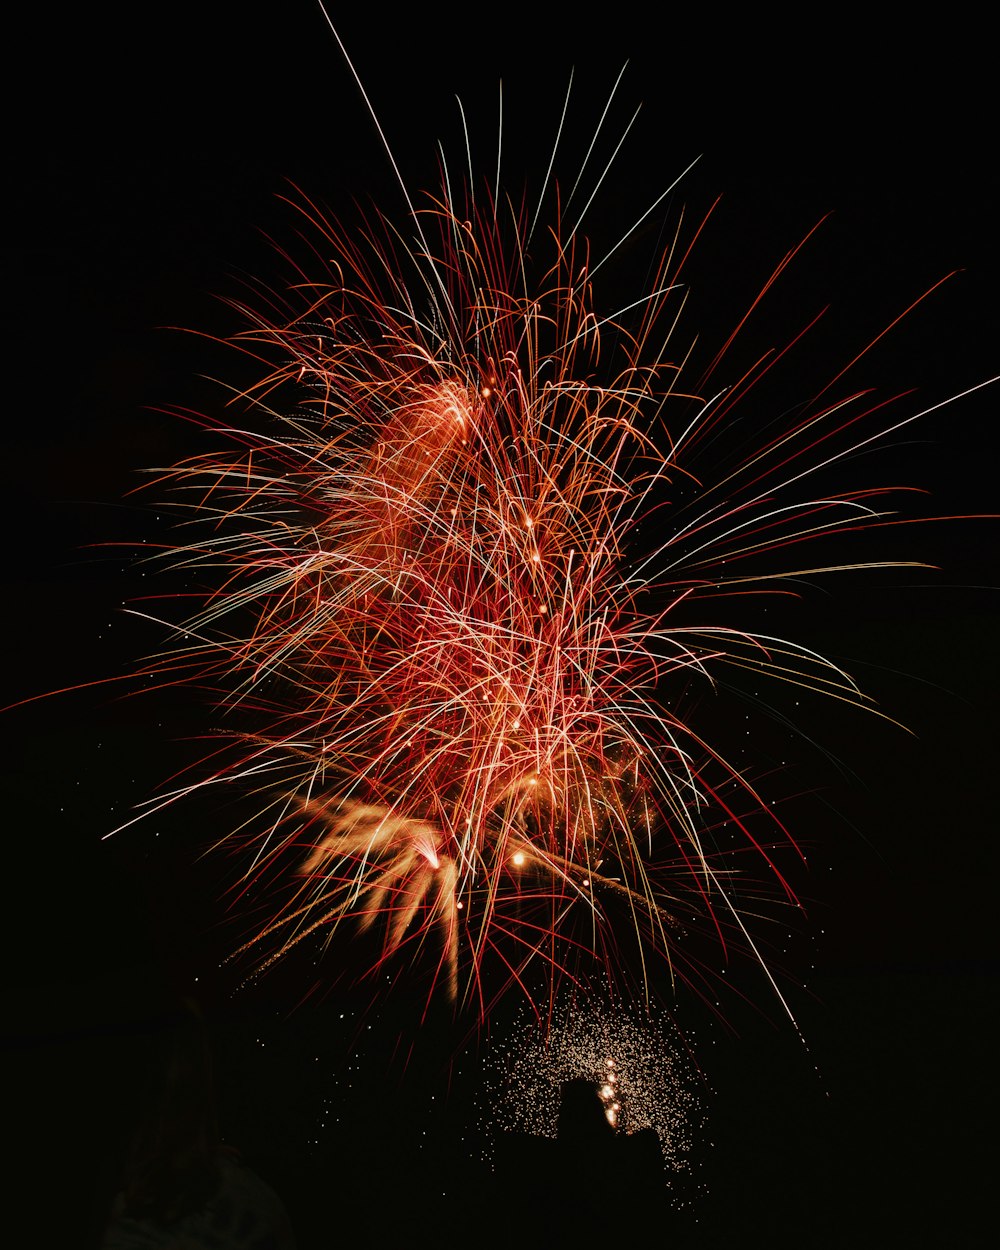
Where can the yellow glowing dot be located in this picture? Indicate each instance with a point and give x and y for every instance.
(459, 905)
(518, 858)
(517, 724)
(533, 781)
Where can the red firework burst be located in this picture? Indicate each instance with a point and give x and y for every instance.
(426, 579)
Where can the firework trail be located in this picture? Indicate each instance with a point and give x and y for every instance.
(430, 594)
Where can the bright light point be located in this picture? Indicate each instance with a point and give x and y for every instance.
(459, 905)
(518, 858)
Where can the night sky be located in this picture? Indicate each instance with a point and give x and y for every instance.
(154, 190)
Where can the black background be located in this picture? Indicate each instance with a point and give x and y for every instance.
(148, 157)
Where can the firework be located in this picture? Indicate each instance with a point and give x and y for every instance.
(451, 585)
(631, 1058)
